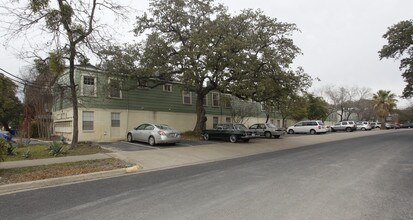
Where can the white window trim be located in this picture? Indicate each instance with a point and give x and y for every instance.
(206, 100)
(183, 98)
(212, 99)
(120, 89)
(95, 86)
(165, 90)
(88, 131)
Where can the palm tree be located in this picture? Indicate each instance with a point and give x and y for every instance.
(384, 102)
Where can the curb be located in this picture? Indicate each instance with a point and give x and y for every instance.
(24, 186)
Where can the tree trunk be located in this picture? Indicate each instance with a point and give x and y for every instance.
(268, 117)
(200, 115)
(73, 93)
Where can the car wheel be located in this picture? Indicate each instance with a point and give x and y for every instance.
(363, 129)
(291, 131)
(206, 136)
(312, 131)
(267, 134)
(246, 140)
(233, 138)
(348, 129)
(277, 136)
(129, 137)
(151, 141)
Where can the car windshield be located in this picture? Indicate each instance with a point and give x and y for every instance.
(240, 126)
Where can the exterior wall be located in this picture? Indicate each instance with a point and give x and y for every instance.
(104, 132)
(136, 106)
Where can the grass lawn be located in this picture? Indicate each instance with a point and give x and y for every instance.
(40, 151)
(16, 175)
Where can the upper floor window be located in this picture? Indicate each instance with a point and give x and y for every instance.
(187, 97)
(215, 99)
(142, 84)
(89, 86)
(205, 100)
(227, 101)
(167, 87)
(115, 89)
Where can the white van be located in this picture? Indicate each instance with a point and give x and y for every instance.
(312, 127)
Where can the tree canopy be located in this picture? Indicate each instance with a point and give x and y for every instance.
(10, 105)
(72, 29)
(400, 46)
(384, 102)
(205, 48)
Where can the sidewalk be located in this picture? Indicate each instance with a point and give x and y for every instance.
(158, 159)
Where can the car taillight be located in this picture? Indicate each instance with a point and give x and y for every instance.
(162, 133)
(319, 127)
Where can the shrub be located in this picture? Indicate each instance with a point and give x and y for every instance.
(3, 148)
(11, 149)
(55, 148)
(27, 154)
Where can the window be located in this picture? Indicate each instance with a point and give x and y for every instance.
(115, 119)
(228, 119)
(142, 84)
(227, 101)
(87, 119)
(115, 89)
(205, 100)
(186, 97)
(167, 88)
(214, 122)
(88, 86)
(215, 99)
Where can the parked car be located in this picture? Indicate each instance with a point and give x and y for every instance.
(406, 125)
(6, 135)
(344, 126)
(229, 131)
(389, 125)
(363, 125)
(312, 127)
(154, 134)
(267, 130)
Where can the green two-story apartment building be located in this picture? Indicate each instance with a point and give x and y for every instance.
(109, 107)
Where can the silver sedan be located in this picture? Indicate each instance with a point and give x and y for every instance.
(154, 134)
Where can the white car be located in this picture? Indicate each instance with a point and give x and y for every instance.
(363, 125)
(154, 134)
(312, 127)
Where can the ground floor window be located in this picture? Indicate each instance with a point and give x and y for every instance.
(115, 119)
(87, 119)
(214, 121)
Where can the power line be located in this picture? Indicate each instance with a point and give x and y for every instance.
(22, 81)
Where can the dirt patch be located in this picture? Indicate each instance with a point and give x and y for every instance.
(17, 175)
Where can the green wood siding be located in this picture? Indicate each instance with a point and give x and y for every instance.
(148, 99)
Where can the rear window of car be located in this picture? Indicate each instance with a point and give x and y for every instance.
(240, 126)
(271, 126)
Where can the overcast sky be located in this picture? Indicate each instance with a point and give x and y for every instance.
(340, 40)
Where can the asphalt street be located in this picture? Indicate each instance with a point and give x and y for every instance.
(361, 178)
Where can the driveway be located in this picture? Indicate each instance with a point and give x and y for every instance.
(138, 146)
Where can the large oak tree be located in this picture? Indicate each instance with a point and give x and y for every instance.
(206, 48)
(400, 46)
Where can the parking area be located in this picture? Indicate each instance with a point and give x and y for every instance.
(137, 146)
